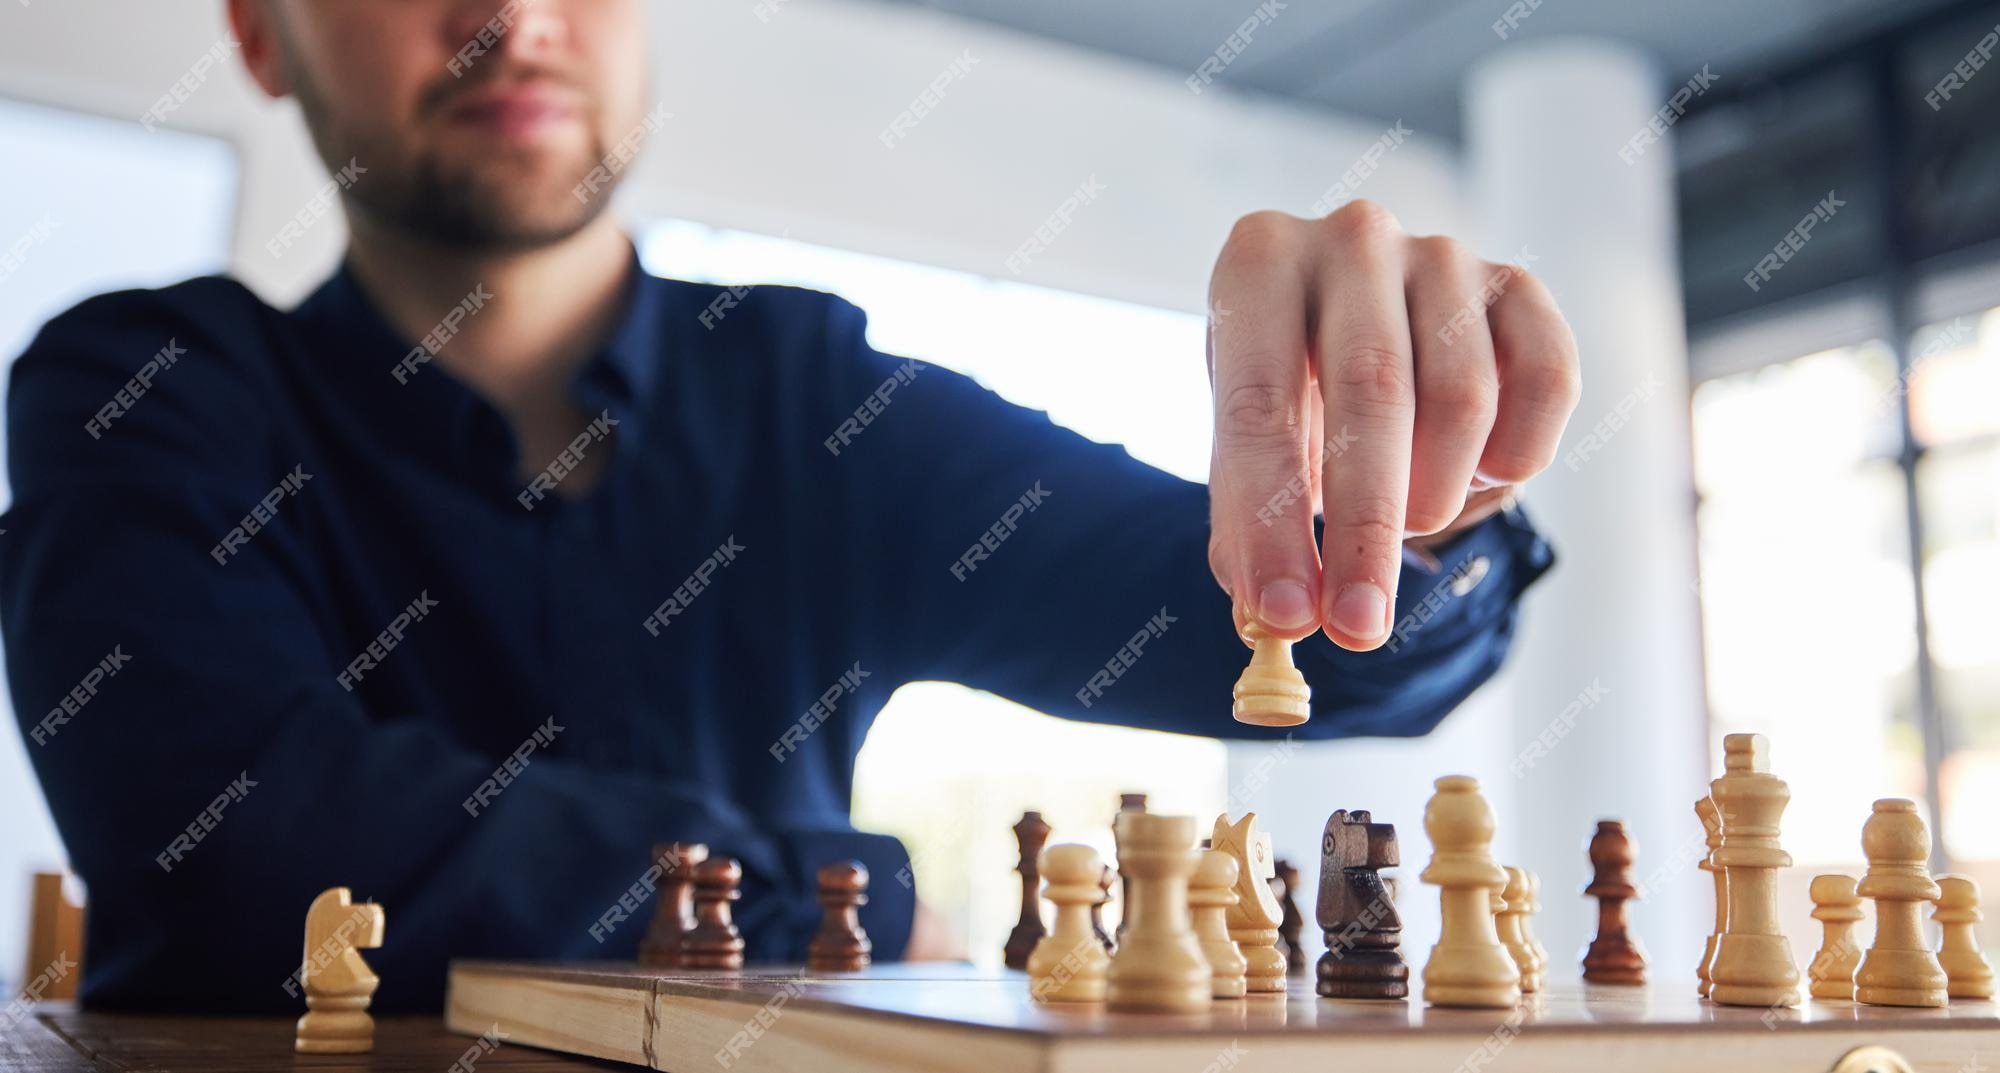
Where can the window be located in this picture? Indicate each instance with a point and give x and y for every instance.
(1079, 358)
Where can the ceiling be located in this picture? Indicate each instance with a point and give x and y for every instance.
(1404, 59)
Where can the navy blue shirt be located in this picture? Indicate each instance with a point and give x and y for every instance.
(282, 613)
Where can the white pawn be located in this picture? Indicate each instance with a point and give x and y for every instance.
(1899, 968)
(1468, 966)
(1510, 919)
(1271, 691)
(1069, 963)
(1210, 897)
(1964, 964)
(1159, 966)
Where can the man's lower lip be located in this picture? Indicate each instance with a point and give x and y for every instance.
(513, 117)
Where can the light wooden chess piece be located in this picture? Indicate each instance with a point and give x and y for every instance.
(1271, 692)
(1899, 968)
(1069, 964)
(1127, 802)
(1254, 919)
(1971, 975)
(1210, 895)
(1510, 914)
(1159, 964)
(1528, 931)
(1838, 908)
(1711, 823)
(1753, 961)
(338, 984)
(1468, 966)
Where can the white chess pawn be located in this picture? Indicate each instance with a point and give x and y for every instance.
(1899, 968)
(1069, 963)
(1468, 966)
(1210, 897)
(1510, 915)
(1971, 975)
(1271, 692)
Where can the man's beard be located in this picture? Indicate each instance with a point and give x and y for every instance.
(475, 202)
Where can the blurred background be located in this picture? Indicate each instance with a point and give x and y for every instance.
(1777, 508)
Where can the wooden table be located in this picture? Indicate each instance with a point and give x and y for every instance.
(57, 1038)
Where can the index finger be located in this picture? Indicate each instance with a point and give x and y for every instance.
(1367, 378)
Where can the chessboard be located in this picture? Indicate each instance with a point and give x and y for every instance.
(960, 1019)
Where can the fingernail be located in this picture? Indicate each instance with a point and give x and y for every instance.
(1286, 605)
(1481, 482)
(1361, 611)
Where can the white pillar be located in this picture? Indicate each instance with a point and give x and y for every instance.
(1545, 123)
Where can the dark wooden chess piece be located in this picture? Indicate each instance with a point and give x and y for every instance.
(1097, 913)
(841, 945)
(1614, 956)
(1355, 912)
(714, 942)
(1126, 803)
(1290, 923)
(673, 911)
(1031, 833)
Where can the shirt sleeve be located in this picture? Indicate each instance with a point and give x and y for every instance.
(218, 777)
(1065, 575)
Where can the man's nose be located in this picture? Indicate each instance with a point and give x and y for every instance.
(517, 29)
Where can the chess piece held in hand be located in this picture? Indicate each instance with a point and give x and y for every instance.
(1614, 957)
(1468, 966)
(1159, 964)
(1837, 907)
(673, 915)
(1971, 975)
(1271, 692)
(1899, 968)
(841, 945)
(338, 984)
(1069, 963)
(1355, 913)
(1031, 833)
(1753, 960)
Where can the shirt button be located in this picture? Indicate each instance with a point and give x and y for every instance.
(1471, 575)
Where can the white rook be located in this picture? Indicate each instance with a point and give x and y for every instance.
(1559, 171)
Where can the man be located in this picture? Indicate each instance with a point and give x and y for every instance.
(488, 567)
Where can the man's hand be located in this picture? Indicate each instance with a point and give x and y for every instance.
(1396, 383)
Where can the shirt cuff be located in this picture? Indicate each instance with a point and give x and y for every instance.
(1475, 577)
